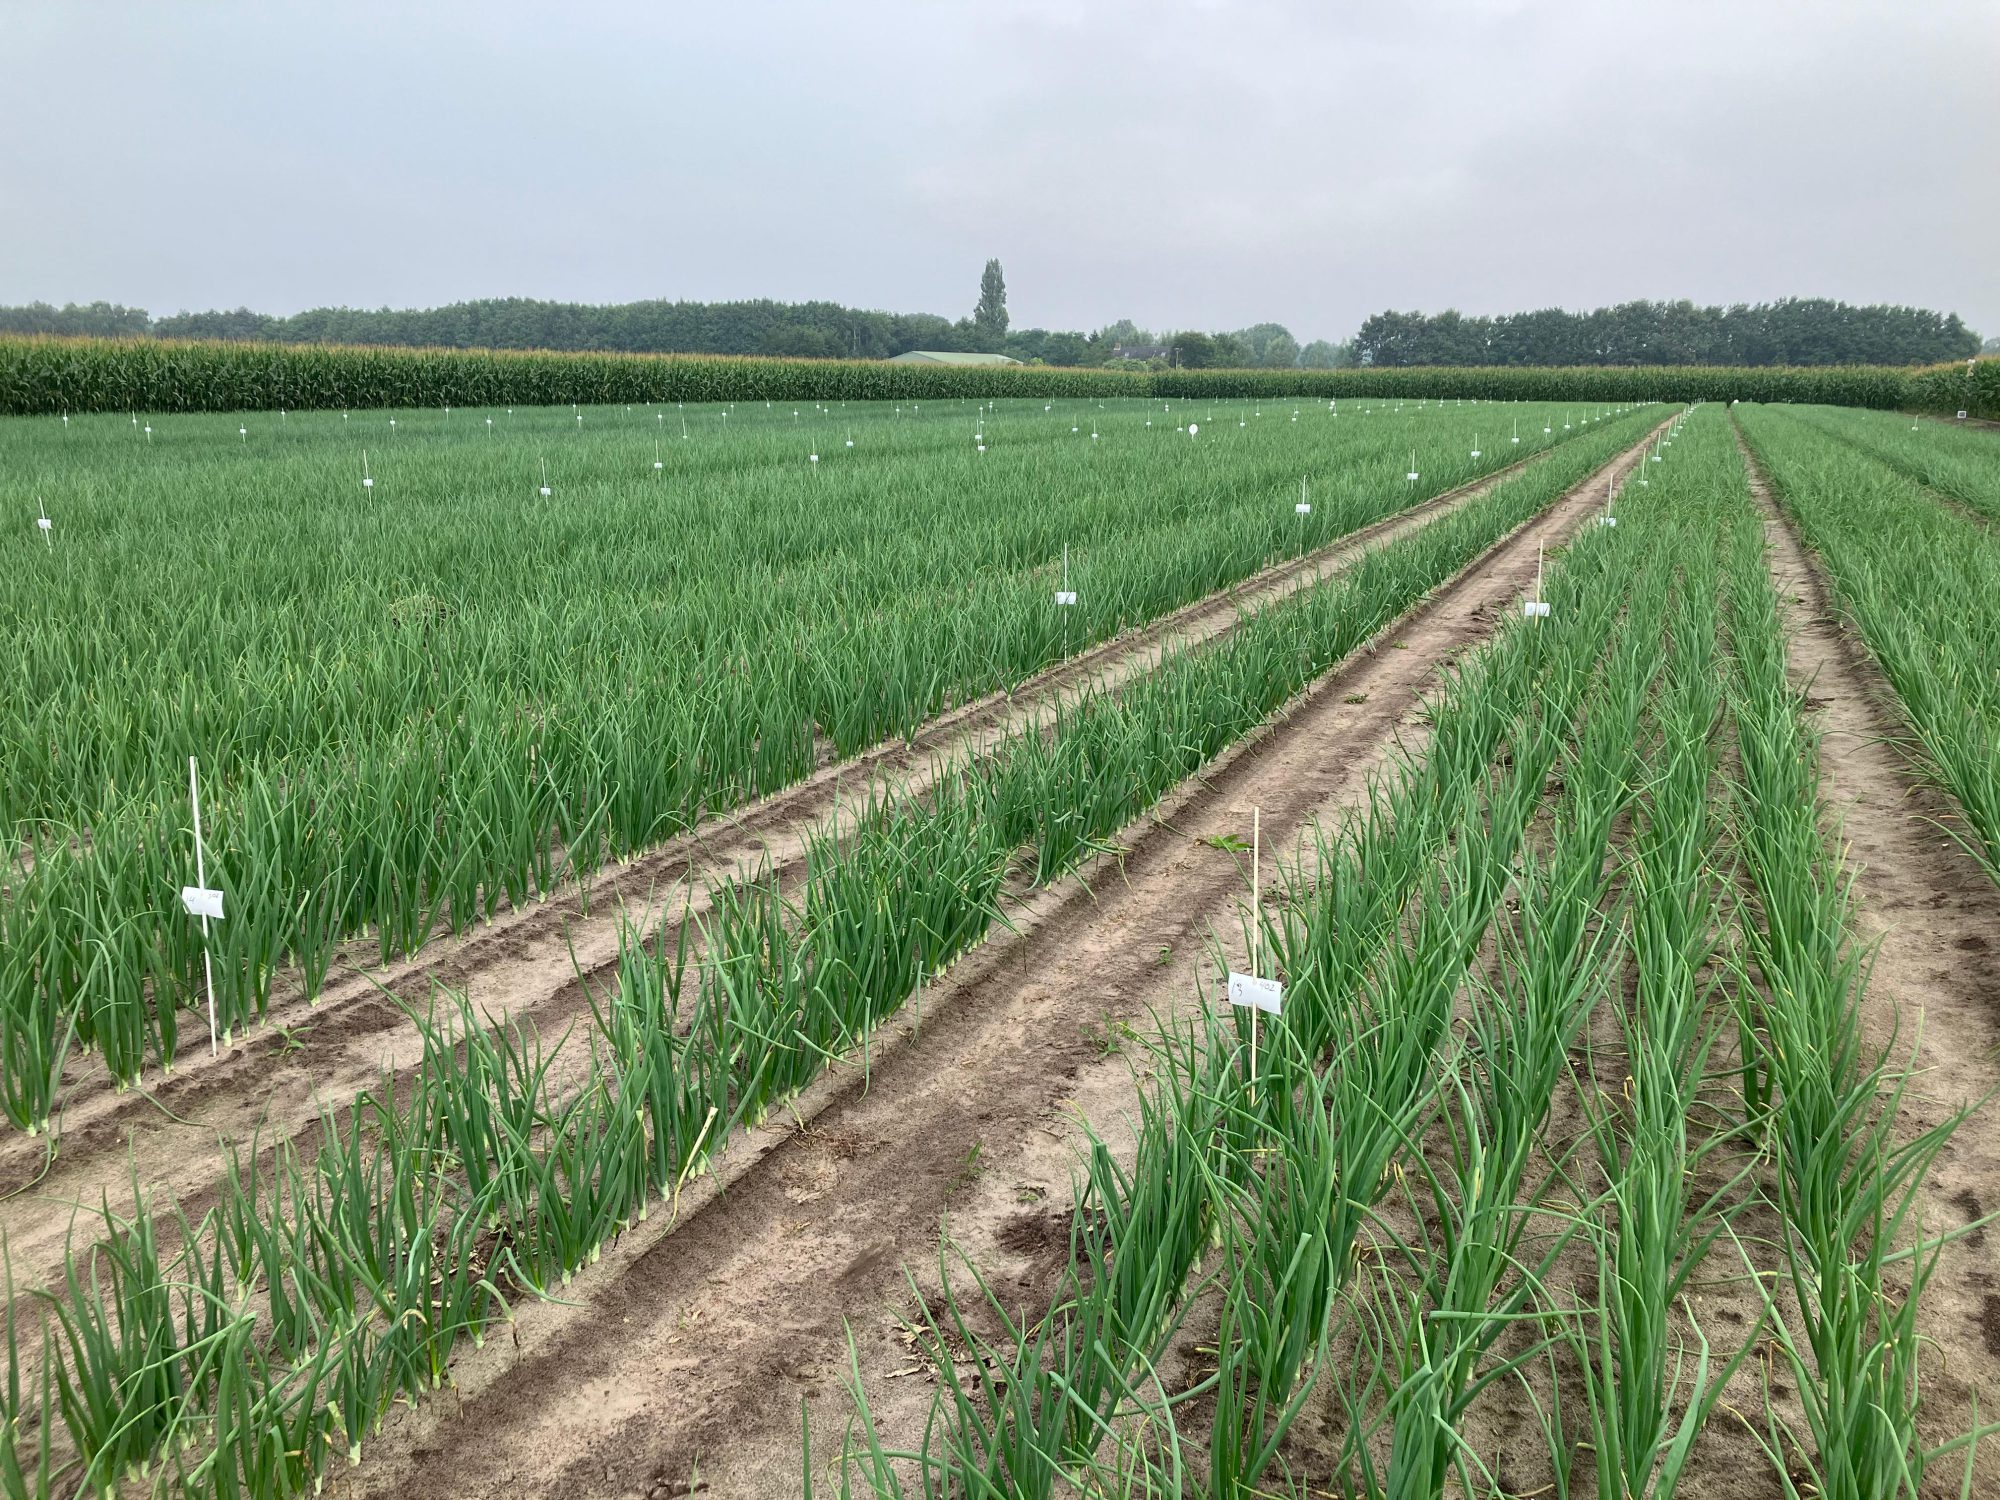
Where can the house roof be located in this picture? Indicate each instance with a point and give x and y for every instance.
(944, 357)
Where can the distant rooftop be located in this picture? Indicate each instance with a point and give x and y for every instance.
(943, 357)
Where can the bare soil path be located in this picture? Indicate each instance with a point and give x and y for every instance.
(686, 1356)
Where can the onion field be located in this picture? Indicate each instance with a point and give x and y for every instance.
(727, 917)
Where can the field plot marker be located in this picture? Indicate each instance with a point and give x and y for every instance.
(1065, 595)
(44, 524)
(1610, 494)
(545, 479)
(1412, 475)
(198, 900)
(1536, 608)
(1253, 990)
(367, 479)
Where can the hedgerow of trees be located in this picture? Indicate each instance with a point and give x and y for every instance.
(1789, 332)
(1793, 331)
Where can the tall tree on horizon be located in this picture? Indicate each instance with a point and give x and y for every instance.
(990, 316)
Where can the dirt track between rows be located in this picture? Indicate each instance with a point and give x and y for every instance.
(687, 1353)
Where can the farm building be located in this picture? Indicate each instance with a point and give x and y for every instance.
(942, 357)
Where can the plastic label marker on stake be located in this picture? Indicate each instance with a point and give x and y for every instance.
(1252, 990)
(367, 479)
(1065, 594)
(198, 900)
(44, 524)
(1536, 608)
(545, 479)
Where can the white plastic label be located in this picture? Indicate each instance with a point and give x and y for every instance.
(1607, 521)
(1303, 509)
(1065, 596)
(1961, 416)
(45, 523)
(199, 901)
(1535, 609)
(1264, 994)
(1411, 476)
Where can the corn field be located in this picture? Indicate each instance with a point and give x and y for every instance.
(48, 376)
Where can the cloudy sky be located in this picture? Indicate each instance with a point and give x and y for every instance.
(1205, 165)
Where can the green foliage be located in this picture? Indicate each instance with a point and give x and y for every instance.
(148, 375)
(1918, 577)
(1793, 331)
(1876, 386)
(989, 317)
(470, 693)
(49, 375)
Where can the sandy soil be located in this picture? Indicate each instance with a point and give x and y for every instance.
(687, 1355)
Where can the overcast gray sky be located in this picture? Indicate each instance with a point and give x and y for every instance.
(1184, 165)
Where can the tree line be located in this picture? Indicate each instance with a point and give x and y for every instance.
(1791, 331)
(1794, 331)
(798, 330)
